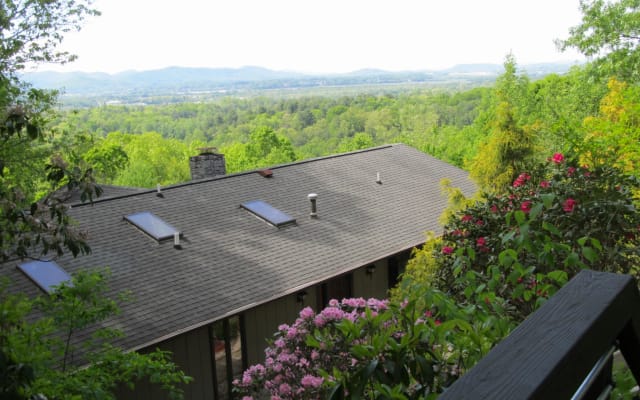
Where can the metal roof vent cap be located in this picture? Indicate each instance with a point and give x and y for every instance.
(314, 211)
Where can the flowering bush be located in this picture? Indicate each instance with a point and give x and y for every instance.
(366, 347)
(522, 245)
(497, 260)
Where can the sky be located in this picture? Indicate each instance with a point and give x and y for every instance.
(328, 36)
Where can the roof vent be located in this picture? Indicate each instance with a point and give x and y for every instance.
(378, 179)
(314, 211)
(267, 173)
(176, 241)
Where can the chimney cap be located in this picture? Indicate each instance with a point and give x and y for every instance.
(312, 196)
(208, 150)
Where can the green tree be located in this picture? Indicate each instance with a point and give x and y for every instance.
(30, 32)
(613, 135)
(510, 146)
(44, 353)
(264, 148)
(610, 34)
(359, 141)
(150, 159)
(506, 153)
(32, 362)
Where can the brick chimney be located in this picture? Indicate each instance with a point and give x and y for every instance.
(207, 164)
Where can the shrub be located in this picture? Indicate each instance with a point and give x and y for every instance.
(522, 245)
(369, 348)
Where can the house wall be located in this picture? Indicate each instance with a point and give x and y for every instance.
(261, 322)
(374, 284)
(192, 350)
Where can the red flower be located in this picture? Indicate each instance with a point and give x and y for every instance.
(526, 206)
(494, 208)
(467, 218)
(480, 242)
(557, 158)
(479, 222)
(521, 180)
(545, 184)
(571, 171)
(569, 204)
(447, 250)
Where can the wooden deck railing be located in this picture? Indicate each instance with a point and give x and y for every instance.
(550, 354)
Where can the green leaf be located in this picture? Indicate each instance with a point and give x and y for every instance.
(589, 254)
(520, 216)
(507, 257)
(368, 371)
(336, 393)
(596, 243)
(480, 288)
(535, 211)
(468, 292)
(550, 228)
(547, 199)
(559, 276)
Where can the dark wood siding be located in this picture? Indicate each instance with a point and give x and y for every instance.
(192, 354)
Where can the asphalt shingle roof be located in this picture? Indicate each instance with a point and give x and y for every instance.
(231, 260)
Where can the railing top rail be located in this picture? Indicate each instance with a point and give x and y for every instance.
(551, 352)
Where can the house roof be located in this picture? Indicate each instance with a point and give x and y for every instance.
(230, 260)
(74, 195)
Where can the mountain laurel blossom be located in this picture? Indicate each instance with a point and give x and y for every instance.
(302, 355)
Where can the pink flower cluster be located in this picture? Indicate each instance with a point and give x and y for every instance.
(291, 366)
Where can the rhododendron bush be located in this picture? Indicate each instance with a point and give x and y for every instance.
(513, 250)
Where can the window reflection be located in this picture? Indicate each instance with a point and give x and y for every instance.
(227, 350)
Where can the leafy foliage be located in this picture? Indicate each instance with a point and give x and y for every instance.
(358, 348)
(39, 356)
(612, 136)
(515, 249)
(610, 33)
(509, 146)
(32, 30)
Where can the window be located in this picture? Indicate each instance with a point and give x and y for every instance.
(45, 274)
(268, 213)
(227, 342)
(152, 225)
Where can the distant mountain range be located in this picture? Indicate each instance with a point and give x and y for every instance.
(181, 80)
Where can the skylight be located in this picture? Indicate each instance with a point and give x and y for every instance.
(45, 274)
(152, 225)
(268, 213)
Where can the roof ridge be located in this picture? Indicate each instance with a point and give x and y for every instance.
(233, 175)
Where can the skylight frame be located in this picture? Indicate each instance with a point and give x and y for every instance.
(268, 213)
(152, 225)
(45, 274)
